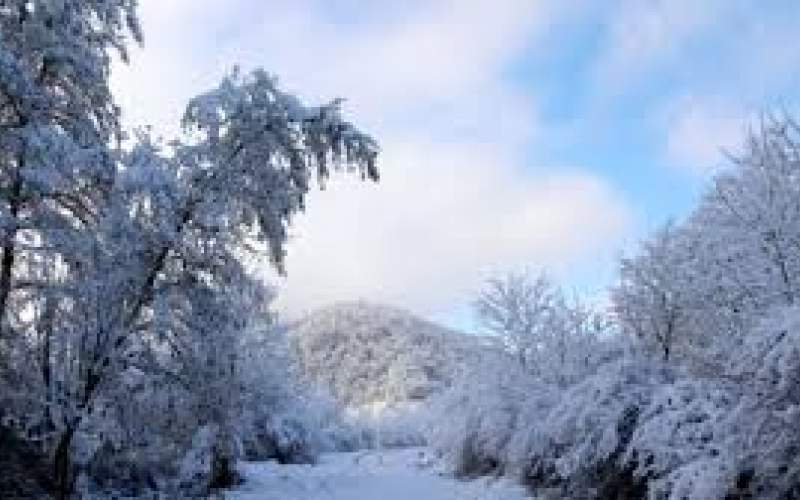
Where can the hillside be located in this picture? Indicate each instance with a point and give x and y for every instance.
(367, 353)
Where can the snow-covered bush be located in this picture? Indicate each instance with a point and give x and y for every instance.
(283, 417)
(577, 447)
(681, 444)
(539, 425)
(181, 424)
(764, 426)
(474, 423)
(732, 436)
(300, 430)
(636, 429)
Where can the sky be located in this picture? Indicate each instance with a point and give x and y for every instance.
(515, 134)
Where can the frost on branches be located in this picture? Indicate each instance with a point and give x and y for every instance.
(122, 275)
(691, 390)
(139, 355)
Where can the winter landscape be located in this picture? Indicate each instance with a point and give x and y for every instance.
(433, 250)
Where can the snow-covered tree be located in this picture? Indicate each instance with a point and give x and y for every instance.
(746, 231)
(57, 119)
(549, 334)
(715, 417)
(117, 262)
(650, 300)
(167, 244)
(518, 308)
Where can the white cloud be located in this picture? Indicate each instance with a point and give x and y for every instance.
(456, 197)
(442, 218)
(699, 131)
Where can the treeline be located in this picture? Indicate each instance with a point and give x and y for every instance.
(691, 391)
(135, 351)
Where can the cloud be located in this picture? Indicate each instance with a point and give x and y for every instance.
(439, 59)
(441, 219)
(459, 193)
(699, 131)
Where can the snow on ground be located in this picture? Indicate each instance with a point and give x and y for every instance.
(368, 475)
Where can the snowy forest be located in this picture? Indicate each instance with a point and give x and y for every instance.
(141, 355)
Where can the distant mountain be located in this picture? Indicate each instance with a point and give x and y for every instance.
(368, 353)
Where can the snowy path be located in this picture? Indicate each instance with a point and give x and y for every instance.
(392, 475)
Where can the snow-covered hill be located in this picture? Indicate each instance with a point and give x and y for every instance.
(368, 353)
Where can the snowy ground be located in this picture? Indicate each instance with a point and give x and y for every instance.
(406, 474)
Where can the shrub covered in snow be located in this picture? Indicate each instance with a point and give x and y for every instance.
(764, 425)
(637, 427)
(474, 423)
(579, 444)
(679, 446)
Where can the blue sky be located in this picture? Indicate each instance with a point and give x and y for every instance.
(516, 134)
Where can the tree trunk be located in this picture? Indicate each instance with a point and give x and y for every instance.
(787, 281)
(47, 375)
(7, 261)
(62, 465)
